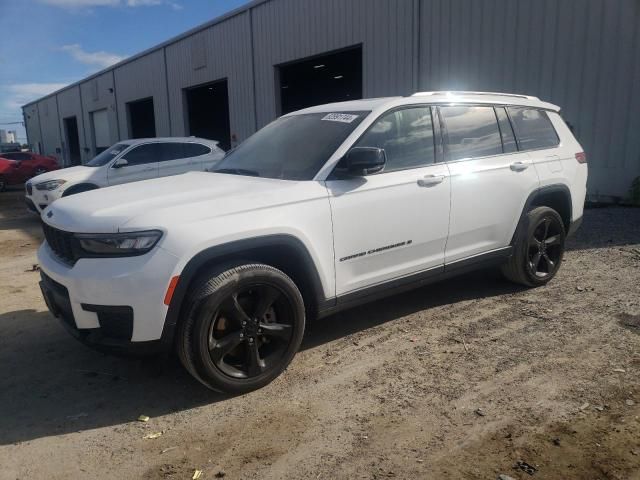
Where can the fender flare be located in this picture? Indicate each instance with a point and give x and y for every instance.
(236, 248)
(555, 188)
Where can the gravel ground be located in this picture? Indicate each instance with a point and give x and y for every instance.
(461, 379)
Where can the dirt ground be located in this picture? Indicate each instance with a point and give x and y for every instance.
(461, 379)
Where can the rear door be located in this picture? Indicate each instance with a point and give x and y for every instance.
(535, 134)
(392, 224)
(204, 156)
(490, 179)
(142, 164)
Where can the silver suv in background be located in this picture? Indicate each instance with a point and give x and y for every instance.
(125, 162)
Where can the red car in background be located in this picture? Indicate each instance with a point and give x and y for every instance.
(18, 167)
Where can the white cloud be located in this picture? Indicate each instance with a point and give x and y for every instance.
(101, 59)
(18, 94)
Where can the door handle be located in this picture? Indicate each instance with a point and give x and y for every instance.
(149, 169)
(518, 166)
(430, 180)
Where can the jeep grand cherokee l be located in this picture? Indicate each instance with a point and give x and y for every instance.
(320, 210)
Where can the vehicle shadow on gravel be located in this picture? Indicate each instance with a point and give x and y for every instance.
(52, 385)
(475, 285)
(602, 228)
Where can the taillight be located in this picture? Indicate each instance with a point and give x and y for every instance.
(581, 157)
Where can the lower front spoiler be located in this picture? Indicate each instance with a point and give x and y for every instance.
(104, 339)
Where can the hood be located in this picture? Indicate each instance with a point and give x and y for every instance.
(70, 174)
(168, 201)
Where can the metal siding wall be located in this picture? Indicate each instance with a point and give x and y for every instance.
(50, 128)
(105, 100)
(69, 105)
(32, 126)
(142, 78)
(228, 55)
(584, 58)
(582, 55)
(287, 30)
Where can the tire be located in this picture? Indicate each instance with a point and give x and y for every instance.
(538, 249)
(230, 356)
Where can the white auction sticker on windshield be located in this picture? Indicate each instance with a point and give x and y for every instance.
(340, 117)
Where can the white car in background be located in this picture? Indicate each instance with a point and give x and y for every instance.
(125, 162)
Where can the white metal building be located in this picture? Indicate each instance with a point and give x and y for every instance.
(234, 74)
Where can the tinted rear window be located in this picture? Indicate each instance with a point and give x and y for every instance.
(195, 149)
(533, 128)
(471, 132)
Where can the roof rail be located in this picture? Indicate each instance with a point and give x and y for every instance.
(424, 94)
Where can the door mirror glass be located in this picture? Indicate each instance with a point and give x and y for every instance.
(121, 162)
(362, 161)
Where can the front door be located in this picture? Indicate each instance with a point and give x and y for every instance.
(394, 223)
(142, 164)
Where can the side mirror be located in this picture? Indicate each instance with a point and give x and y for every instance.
(362, 161)
(121, 162)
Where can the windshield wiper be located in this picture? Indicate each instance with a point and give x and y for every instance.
(237, 171)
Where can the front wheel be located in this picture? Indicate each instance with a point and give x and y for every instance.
(538, 249)
(242, 327)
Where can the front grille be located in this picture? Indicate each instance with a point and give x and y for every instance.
(63, 244)
(29, 188)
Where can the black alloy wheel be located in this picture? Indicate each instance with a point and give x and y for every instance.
(251, 331)
(545, 247)
(241, 328)
(538, 248)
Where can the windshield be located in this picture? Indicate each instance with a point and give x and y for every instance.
(106, 156)
(291, 148)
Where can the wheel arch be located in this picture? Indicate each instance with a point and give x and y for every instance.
(285, 252)
(557, 196)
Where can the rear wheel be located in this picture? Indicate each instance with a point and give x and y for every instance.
(538, 250)
(243, 326)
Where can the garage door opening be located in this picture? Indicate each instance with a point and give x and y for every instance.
(73, 140)
(142, 120)
(333, 77)
(208, 112)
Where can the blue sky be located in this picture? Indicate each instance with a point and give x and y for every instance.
(47, 44)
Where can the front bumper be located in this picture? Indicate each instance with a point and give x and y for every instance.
(38, 200)
(113, 304)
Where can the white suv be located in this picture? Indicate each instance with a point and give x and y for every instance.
(125, 162)
(320, 210)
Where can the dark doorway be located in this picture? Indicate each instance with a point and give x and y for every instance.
(142, 120)
(73, 140)
(332, 77)
(208, 112)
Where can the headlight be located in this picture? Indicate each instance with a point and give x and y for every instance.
(50, 185)
(118, 244)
